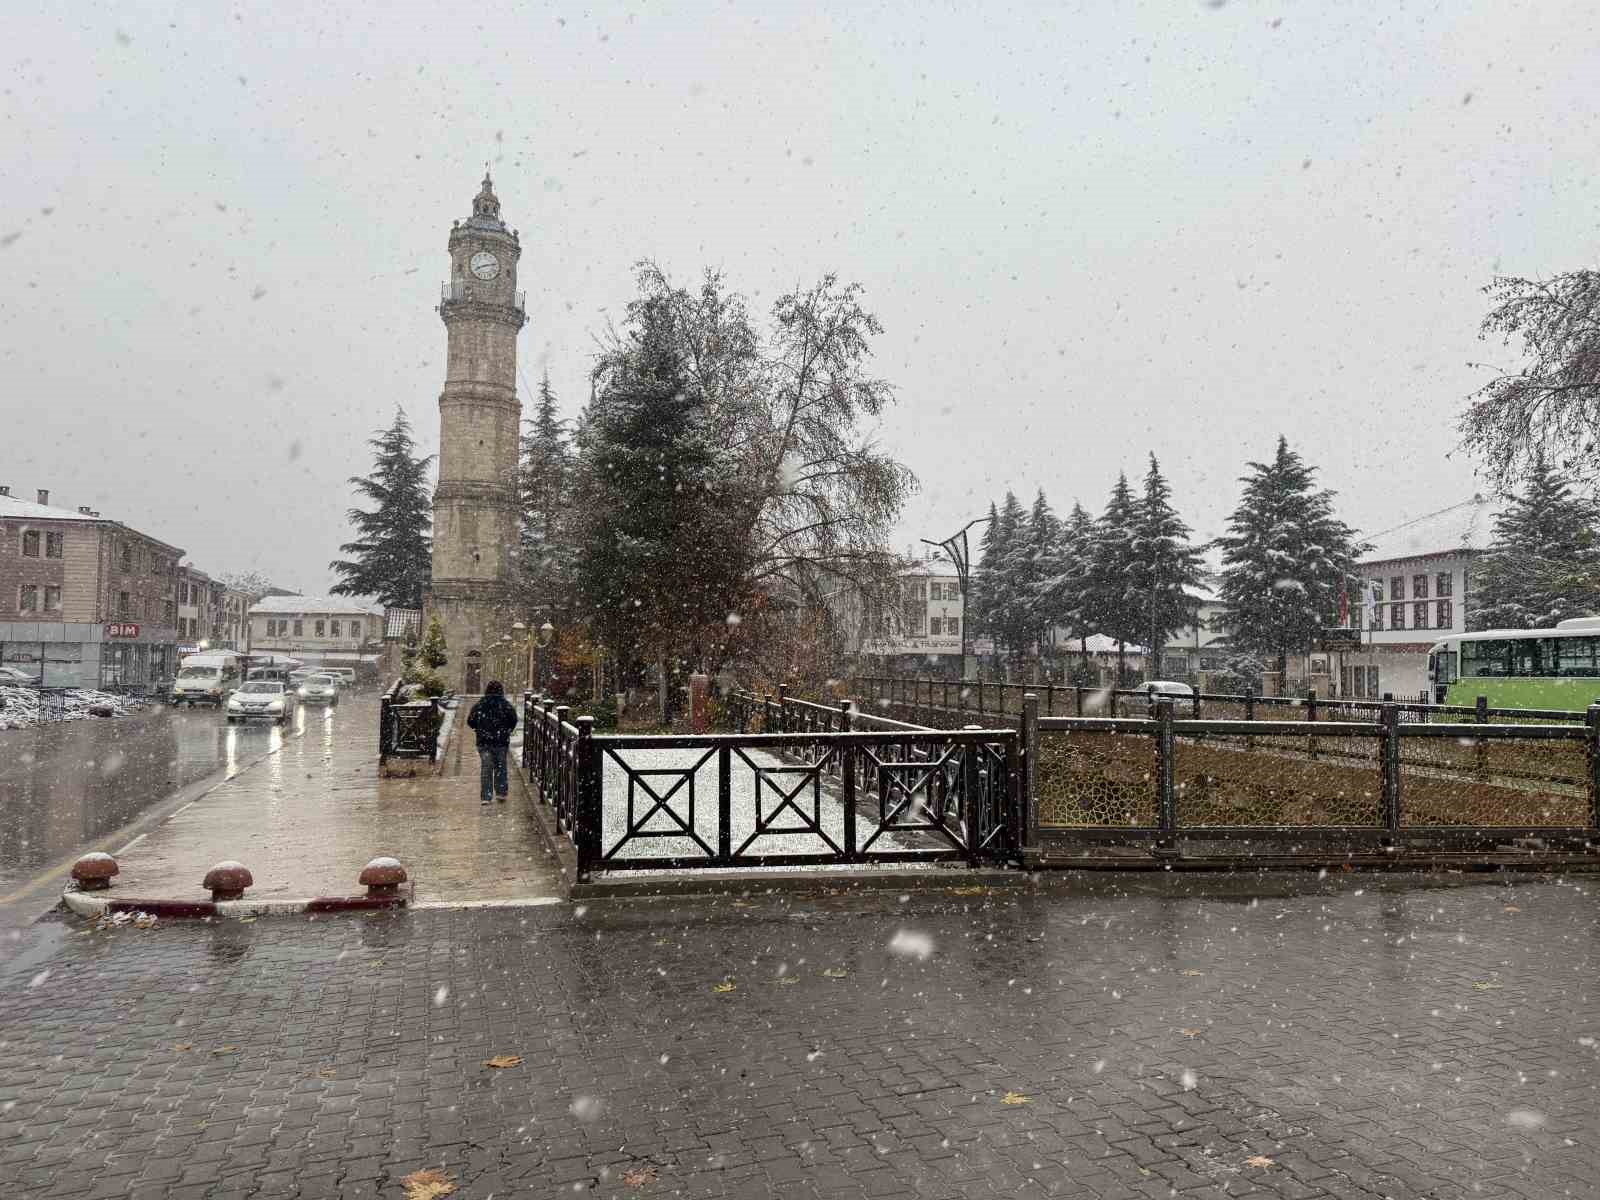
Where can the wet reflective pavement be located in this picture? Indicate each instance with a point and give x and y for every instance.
(306, 820)
(66, 784)
(1358, 1044)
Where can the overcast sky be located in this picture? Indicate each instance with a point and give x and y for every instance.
(1091, 231)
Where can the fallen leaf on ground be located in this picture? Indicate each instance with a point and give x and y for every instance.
(638, 1176)
(327, 1072)
(246, 920)
(224, 1049)
(1190, 1032)
(1512, 908)
(1014, 1098)
(427, 1184)
(1483, 985)
(1191, 971)
(501, 1061)
(1259, 1160)
(726, 985)
(836, 972)
(184, 1046)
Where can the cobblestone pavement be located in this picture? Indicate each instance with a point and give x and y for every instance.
(1418, 1043)
(307, 818)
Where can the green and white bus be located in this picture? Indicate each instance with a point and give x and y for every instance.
(1520, 668)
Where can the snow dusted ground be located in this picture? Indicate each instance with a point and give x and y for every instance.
(25, 707)
(694, 774)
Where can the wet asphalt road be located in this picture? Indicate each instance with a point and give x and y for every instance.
(65, 786)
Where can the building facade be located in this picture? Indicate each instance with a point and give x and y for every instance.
(85, 601)
(918, 632)
(320, 631)
(199, 600)
(475, 502)
(1417, 589)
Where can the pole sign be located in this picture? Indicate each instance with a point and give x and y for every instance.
(1339, 639)
(122, 630)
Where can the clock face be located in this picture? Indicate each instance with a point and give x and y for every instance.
(484, 265)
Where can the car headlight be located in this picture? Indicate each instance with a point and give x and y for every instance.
(276, 705)
(302, 691)
(234, 704)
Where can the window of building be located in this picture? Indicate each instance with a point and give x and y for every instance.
(1443, 584)
(1397, 616)
(333, 627)
(52, 598)
(935, 626)
(127, 557)
(1397, 587)
(1443, 617)
(1377, 617)
(52, 545)
(28, 598)
(322, 629)
(299, 628)
(170, 611)
(124, 608)
(30, 543)
(1419, 587)
(952, 626)
(1355, 616)
(1419, 615)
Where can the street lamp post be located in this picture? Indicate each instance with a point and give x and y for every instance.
(958, 548)
(538, 640)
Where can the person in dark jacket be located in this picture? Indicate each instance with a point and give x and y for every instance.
(494, 718)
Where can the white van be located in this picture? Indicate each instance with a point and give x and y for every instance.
(205, 679)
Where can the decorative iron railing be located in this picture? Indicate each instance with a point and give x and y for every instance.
(820, 793)
(408, 730)
(976, 699)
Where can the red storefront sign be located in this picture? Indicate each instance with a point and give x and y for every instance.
(122, 631)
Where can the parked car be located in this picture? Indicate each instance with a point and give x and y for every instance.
(300, 674)
(17, 677)
(347, 675)
(268, 698)
(270, 675)
(1166, 687)
(320, 688)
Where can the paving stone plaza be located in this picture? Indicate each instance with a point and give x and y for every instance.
(1373, 1038)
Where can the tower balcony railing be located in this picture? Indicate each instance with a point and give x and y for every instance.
(460, 291)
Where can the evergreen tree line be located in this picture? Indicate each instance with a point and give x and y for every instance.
(1133, 573)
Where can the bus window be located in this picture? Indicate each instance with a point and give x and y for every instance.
(1576, 657)
(1485, 659)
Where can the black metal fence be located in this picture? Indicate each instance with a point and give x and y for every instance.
(822, 792)
(944, 700)
(408, 729)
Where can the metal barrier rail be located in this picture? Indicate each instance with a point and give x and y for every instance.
(818, 793)
(981, 699)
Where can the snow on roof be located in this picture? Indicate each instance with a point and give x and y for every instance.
(336, 605)
(1465, 526)
(14, 507)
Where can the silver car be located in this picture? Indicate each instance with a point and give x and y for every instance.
(261, 698)
(319, 689)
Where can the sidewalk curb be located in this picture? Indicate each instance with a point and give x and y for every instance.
(641, 885)
(84, 905)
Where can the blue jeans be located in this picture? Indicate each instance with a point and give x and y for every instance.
(492, 772)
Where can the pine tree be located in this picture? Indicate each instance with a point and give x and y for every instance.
(423, 666)
(546, 471)
(1286, 560)
(1544, 564)
(660, 563)
(1007, 608)
(1033, 561)
(985, 576)
(1113, 601)
(392, 555)
(1065, 596)
(1164, 567)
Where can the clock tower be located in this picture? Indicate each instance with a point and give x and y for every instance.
(475, 503)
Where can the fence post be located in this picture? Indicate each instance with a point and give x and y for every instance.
(1480, 748)
(1050, 699)
(971, 805)
(1166, 839)
(946, 694)
(384, 737)
(1077, 691)
(783, 708)
(1592, 719)
(980, 697)
(1390, 721)
(847, 767)
(527, 728)
(724, 804)
(1311, 715)
(588, 816)
(1019, 823)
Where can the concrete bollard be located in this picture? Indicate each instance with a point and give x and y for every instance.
(228, 880)
(93, 872)
(382, 876)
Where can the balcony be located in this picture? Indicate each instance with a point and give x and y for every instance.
(459, 291)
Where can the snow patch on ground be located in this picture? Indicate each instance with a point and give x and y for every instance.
(23, 707)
